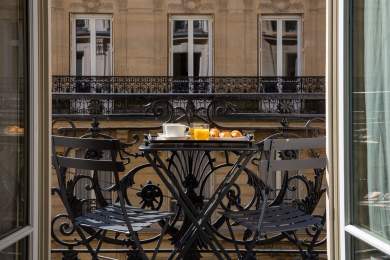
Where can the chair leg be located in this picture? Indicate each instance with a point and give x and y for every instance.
(100, 243)
(249, 254)
(233, 238)
(173, 253)
(160, 239)
(138, 252)
(70, 255)
(310, 252)
(294, 239)
(86, 242)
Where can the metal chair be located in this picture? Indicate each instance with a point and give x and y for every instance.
(283, 218)
(119, 218)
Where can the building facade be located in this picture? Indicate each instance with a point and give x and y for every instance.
(184, 38)
(357, 96)
(188, 37)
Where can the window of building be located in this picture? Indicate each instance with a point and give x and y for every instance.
(190, 46)
(91, 52)
(280, 46)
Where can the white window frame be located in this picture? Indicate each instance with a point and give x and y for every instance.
(92, 21)
(30, 231)
(190, 53)
(346, 229)
(279, 53)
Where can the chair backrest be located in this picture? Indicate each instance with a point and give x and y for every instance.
(274, 146)
(65, 161)
(86, 158)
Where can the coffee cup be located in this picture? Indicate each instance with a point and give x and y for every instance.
(174, 130)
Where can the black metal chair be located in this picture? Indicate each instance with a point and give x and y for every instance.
(283, 218)
(119, 218)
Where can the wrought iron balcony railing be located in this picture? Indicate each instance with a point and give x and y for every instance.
(83, 97)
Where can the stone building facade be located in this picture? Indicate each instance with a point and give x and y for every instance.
(141, 42)
(186, 38)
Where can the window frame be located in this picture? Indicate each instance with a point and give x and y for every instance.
(190, 62)
(347, 230)
(73, 52)
(30, 231)
(280, 19)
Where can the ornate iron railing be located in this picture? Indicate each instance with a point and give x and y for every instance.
(81, 97)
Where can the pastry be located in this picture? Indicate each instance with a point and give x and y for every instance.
(214, 132)
(225, 134)
(236, 133)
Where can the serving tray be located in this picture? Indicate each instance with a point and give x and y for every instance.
(160, 138)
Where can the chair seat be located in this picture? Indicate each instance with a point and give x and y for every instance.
(110, 218)
(281, 218)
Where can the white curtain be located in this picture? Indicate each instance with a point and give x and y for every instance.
(377, 102)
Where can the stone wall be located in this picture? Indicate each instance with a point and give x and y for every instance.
(141, 46)
(140, 32)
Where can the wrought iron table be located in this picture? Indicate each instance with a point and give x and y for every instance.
(200, 232)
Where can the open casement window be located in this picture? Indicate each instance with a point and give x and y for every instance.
(364, 98)
(280, 46)
(91, 45)
(190, 51)
(19, 207)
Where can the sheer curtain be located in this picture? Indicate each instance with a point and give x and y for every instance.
(377, 106)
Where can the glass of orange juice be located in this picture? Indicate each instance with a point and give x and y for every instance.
(200, 131)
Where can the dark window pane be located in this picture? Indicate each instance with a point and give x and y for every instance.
(201, 48)
(83, 47)
(290, 48)
(103, 47)
(269, 66)
(18, 251)
(13, 90)
(290, 26)
(180, 64)
(180, 48)
(274, 26)
(363, 251)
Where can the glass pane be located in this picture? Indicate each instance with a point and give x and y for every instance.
(19, 251)
(201, 48)
(363, 251)
(13, 142)
(83, 47)
(103, 47)
(180, 48)
(269, 66)
(290, 48)
(370, 92)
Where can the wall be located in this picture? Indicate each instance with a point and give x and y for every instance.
(140, 32)
(140, 36)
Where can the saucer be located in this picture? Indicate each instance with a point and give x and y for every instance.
(161, 136)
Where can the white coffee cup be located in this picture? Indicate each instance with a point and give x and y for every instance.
(174, 130)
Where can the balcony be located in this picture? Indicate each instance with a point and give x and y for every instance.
(130, 106)
(81, 97)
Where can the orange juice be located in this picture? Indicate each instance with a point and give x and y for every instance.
(201, 133)
(191, 132)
